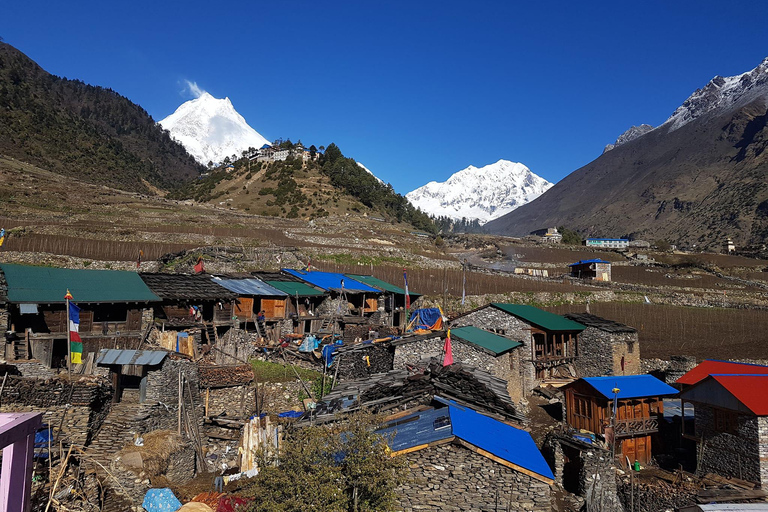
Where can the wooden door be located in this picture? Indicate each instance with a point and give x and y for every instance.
(273, 308)
(244, 308)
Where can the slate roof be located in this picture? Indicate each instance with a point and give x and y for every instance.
(498, 439)
(544, 319)
(248, 286)
(630, 386)
(713, 366)
(27, 283)
(485, 340)
(108, 356)
(331, 281)
(185, 287)
(599, 323)
(381, 285)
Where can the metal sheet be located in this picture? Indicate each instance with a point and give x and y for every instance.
(250, 286)
(135, 357)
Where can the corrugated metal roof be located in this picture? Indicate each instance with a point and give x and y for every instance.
(544, 319)
(488, 341)
(294, 288)
(331, 281)
(630, 386)
(109, 356)
(586, 262)
(185, 287)
(32, 284)
(249, 286)
(713, 366)
(747, 389)
(499, 439)
(382, 285)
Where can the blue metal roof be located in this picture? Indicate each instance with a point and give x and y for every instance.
(137, 357)
(499, 439)
(331, 281)
(249, 286)
(609, 239)
(630, 386)
(584, 262)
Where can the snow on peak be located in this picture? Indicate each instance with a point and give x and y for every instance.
(484, 193)
(721, 93)
(631, 134)
(210, 129)
(369, 172)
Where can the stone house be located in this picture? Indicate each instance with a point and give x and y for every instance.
(605, 347)
(114, 311)
(391, 308)
(731, 425)
(253, 297)
(633, 424)
(362, 299)
(303, 300)
(550, 342)
(595, 269)
(470, 346)
(475, 459)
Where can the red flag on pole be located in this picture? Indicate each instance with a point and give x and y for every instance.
(448, 356)
(200, 266)
(407, 296)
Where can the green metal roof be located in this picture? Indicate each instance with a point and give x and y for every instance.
(49, 285)
(294, 288)
(381, 285)
(488, 341)
(544, 319)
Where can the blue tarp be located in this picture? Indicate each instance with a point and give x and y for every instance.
(328, 351)
(290, 414)
(160, 500)
(630, 386)
(427, 317)
(331, 281)
(309, 344)
(41, 442)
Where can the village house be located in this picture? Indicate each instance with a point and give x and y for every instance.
(550, 341)
(595, 269)
(254, 296)
(730, 423)
(303, 300)
(114, 311)
(391, 308)
(480, 463)
(605, 347)
(498, 355)
(633, 425)
(607, 243)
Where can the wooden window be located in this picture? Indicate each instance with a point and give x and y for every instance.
(726, 421)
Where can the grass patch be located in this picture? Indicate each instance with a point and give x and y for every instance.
(266, 371)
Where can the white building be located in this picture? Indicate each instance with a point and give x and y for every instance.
(607, 243)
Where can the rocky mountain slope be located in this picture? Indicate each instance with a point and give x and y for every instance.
(483, 193)
(84, 131)
(697, 178)
(629, 135)
(211, 129)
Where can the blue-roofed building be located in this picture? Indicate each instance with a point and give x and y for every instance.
(595, 269)
(362, 297)
(471, 456)
(589, 404)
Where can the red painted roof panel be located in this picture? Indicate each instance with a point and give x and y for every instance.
(712, 366)
(747, 389)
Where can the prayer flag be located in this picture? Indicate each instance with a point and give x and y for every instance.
(407, 295)
(448, 357)
(138, 261)
(464, 284)
(200, 266)
(75, 343)
(2, 236)
(309, 265)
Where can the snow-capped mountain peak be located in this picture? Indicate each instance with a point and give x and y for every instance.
(483, 193)
(721, 93)
(211, 129)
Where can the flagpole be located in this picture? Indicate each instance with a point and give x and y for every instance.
(69, 342)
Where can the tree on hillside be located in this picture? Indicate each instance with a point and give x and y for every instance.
(312, 151)
(342, 467)
(569, 236)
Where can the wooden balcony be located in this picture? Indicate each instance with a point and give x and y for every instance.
(636, 426)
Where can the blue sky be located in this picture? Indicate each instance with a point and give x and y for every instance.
(414, 90)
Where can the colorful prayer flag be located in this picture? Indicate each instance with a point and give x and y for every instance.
(448, 350)
(309, 265)
(75, 343)
(2, 236)
(407, 295)
(138, 261)
(200, 266)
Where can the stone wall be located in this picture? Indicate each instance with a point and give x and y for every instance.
(5, 319)
(762, 426)
(506, 366)
(600, 353)
(235, 347)
(163, 393)
(730, 455)
(235, 401)
(35, 370)
(78, 409)
(451, 477)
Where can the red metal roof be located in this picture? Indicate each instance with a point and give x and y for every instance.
(747, 389)
(712, 366)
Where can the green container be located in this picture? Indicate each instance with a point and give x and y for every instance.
(636, 466)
